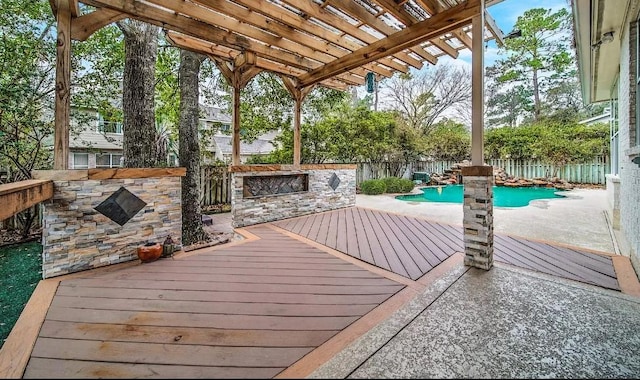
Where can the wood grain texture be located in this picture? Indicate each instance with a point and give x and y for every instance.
(243, 310)
(124, 173)
(411, 247)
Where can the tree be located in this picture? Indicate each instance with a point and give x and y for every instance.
(27, 70)
(141, 50)
(422, 97)
(192, 230)
(540, 60)
(449, 141)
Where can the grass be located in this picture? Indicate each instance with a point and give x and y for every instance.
(20, 271)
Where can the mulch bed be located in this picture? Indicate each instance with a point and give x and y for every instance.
(20, 272)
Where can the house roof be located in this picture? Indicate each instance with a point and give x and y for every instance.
(96, 140)
(604, 117)
(259, 146)
(598, 61)
(210, 113)
(333, 43)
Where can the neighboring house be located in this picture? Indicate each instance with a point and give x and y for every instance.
(607, 36)
(604, 117)
(98, 143)
(219, 146)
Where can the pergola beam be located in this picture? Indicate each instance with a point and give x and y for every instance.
(359, 12)
(443, 22)
(157, 16)
(228, 54)
(318, 12)
(84, 26)
(401, 14)
(324, 51)
(494, 29)
(296, 22)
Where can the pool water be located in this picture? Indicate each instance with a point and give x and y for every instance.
(502, 196)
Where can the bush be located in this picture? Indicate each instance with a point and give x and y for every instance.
(398, 185)
(373, 187)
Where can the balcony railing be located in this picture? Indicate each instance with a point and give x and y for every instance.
(109, 127)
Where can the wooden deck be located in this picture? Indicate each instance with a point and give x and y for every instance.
(249, 310)
(411, 246)
(277, 304)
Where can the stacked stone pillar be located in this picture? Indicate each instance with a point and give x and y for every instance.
(478, 216)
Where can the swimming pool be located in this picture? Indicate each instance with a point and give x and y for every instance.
(502, 196)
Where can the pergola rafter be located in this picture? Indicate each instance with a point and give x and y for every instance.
(331, 43)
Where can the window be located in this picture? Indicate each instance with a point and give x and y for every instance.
(106, 126)
(108, 160)
(613, 129)
(81, 160)
(225, 128)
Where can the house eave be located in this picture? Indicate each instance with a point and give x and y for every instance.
(598, 64)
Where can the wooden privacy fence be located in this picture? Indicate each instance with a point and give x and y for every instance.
(592, 172)
(215, 185)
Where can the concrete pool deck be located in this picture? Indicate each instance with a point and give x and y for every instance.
(579, 219)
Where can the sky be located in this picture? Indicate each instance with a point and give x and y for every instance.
(506, 14)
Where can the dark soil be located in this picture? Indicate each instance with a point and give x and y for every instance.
(20, 272)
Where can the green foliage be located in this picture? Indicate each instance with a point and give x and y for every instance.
(20, 271)
(549, 141)
(343, 133)
(538, 76)
(397, 185)
(373, 187)
(27, 68)
(449, 140)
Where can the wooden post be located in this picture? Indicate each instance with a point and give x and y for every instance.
(298, 94)
(296, 132)
(477, 89)
(238, 74)
(235, 142)
(63, 79)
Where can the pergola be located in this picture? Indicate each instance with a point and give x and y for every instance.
(332, 43)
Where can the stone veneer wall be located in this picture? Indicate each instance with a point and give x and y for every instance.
(76, 237)
(320, 196)
(478, 216)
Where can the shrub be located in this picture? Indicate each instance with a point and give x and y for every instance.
(398, 185)
(373, 187)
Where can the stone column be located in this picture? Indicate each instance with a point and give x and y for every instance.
(478, 216)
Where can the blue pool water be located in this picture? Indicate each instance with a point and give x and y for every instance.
(502, 196)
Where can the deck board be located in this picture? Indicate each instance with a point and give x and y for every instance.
(42, 368)
(380, 238)
(245, 311)
(252, 310)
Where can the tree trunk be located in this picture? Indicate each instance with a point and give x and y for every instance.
(536, 95)
(141, 50)
(192, 230)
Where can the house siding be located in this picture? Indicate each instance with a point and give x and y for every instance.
(629, 172)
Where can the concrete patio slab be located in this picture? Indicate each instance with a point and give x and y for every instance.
(520, 325)
(578, 219)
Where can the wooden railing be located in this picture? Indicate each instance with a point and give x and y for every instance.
(19, 196)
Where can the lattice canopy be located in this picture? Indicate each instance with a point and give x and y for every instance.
(333, 43)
